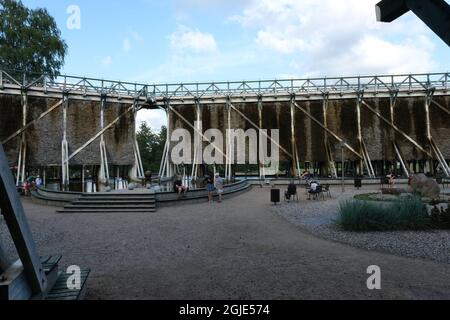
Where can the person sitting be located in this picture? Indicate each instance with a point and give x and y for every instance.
(291, 191)
(306, 175)
(391, 178)
(313, 188)
(179, 188)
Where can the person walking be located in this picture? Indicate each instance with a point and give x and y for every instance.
(218, 184)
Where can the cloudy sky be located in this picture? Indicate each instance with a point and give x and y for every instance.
(203, 40)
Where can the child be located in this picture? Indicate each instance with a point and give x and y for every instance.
(218, 183)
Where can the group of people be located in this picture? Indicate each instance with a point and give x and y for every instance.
(211, 183)
(30, 183)
(312, 185)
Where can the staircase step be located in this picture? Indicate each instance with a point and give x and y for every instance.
(118, 195)
(115, 198)
(75, 210)
(143, 201)
(110, 206)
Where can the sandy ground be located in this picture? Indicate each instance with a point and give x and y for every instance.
(239, 249)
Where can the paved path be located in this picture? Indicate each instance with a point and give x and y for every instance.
(236, 250)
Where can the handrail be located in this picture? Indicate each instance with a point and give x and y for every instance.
(315, 85)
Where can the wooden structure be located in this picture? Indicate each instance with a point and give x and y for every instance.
(32, 276)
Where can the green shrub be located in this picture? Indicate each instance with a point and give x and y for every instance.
(440, 218)
(402, 214)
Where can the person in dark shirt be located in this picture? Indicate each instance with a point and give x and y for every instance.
(291, 191)
(209, 181)
(179, 188)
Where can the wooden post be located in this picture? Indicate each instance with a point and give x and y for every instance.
(262, 173)
(4, 262)
(82, 179)
(16, 221)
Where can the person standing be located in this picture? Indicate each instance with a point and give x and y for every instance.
(26, 188)
(218, 183)
(209, 187)
(38, 181)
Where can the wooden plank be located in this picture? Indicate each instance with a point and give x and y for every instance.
(60, 290)
(17, 223)
(44, 259)
(64, 298)
(15, 285)
(52, 260)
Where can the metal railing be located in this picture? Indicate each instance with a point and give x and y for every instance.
(308, 86)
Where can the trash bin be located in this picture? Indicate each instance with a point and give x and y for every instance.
(275, 196)
(358, 183)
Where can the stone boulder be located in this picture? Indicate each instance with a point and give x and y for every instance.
(427, 187)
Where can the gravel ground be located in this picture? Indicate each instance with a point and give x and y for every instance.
(318, 218)
(238, 249)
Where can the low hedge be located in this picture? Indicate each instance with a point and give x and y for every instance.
(404, 213)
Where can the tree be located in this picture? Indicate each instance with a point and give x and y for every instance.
(30, 40)
(151, 145)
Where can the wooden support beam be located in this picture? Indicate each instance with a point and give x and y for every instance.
(441, 107)
(393, 126)
(4, 261)
(90, 141)
(195, 130)
(16, 221)
(14, 285)
(345, 144)
(228, 158)
(31, 123)
(264, 134)
(262, 167)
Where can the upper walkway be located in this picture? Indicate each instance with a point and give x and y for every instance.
(158, 95)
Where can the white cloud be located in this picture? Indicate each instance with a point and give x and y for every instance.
(331, 37)
(136, 36)
(154, 118)
(126, 45)
(185, 38)
(107, 61)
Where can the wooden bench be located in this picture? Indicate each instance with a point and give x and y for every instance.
(61, 292)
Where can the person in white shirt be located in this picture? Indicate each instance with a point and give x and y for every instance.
(218, 184)
(312, 189)
(38, 181)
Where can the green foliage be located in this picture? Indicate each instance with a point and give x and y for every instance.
(440, 218)
(405, 213)
(151, 145)
(30, 40)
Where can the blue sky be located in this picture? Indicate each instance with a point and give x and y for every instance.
(198, 40)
